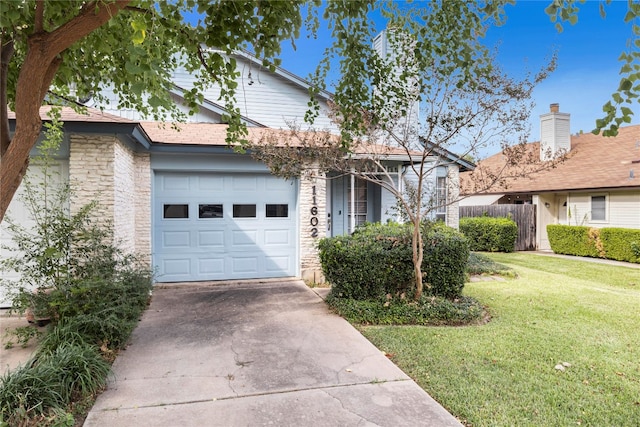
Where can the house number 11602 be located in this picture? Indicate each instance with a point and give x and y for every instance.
(314, 213)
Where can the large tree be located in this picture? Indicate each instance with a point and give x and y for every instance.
(58, 49)
(63, 50)
(423, 106)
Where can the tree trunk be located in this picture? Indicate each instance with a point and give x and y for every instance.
(418, 254)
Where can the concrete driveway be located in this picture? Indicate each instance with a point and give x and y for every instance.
(251, 354)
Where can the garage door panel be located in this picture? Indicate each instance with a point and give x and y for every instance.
(211, 183)
(176, 239)
(172, 183)
(211, 266)
(212, 244)
(277, 264)
(245, 183)
(244, 238)
(211, 239)
(244, 265)
(277, 237)
(175, 266)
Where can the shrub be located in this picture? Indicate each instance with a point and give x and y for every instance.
(572, 240)
(397, 311)
(621, 244)
(482, 264)
(51, 381)
(446, 253)
(372, 262)
(378, 260)
(93, 294)
(490, 234)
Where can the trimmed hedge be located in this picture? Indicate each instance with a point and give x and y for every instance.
(376, 260)
(446, 253)
(488, 234)
(620, 244)
(571, 240)
(372, 262)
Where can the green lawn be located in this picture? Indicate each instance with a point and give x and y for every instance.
(503, 373)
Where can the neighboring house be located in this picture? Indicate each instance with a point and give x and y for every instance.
(204, 212)
(598, 185)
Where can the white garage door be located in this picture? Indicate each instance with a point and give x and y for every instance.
(220, 226)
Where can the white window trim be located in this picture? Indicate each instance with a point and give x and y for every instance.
(606, 208)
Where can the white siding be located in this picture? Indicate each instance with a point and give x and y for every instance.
(20, 214)
(623, 209)
(578, 209)
(265, 97)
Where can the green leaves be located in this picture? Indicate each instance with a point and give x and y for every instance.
(140, 30)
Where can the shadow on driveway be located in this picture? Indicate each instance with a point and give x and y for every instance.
(252, 354)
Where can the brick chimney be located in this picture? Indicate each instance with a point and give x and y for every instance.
(555, 133)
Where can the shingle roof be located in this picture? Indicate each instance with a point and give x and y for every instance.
(214, 134)
(594, 162)
(68, 114)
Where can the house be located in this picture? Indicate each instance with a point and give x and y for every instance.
(597, 185)
(202, 211)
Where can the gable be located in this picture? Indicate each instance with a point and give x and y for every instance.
(265, 99)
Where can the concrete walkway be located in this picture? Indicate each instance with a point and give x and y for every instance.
(585, 259)
(254, 354)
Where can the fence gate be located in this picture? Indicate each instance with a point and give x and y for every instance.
(523, 215)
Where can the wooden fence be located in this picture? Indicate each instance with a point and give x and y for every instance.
(523, 215)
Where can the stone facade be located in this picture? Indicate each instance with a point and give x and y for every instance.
(91, 174)
(124, 196)
(142, 162)
(103, 169)
(313, 224)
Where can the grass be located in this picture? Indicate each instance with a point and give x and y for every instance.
(481, 264)
(503, 373)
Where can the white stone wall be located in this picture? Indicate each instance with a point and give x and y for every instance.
(124, 197)
(453, 193)
(103, 169)
(91, 176)
(142, 162)
(313, 224)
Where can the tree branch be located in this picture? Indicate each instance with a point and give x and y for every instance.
(38, 26)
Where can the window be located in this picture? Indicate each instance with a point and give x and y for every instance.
(244, 211)
(175, 211)
(360, 201)
(277, 211)
(441, 198)
(210, 211)
(598, 208)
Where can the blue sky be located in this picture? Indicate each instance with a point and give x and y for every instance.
(588, 67)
